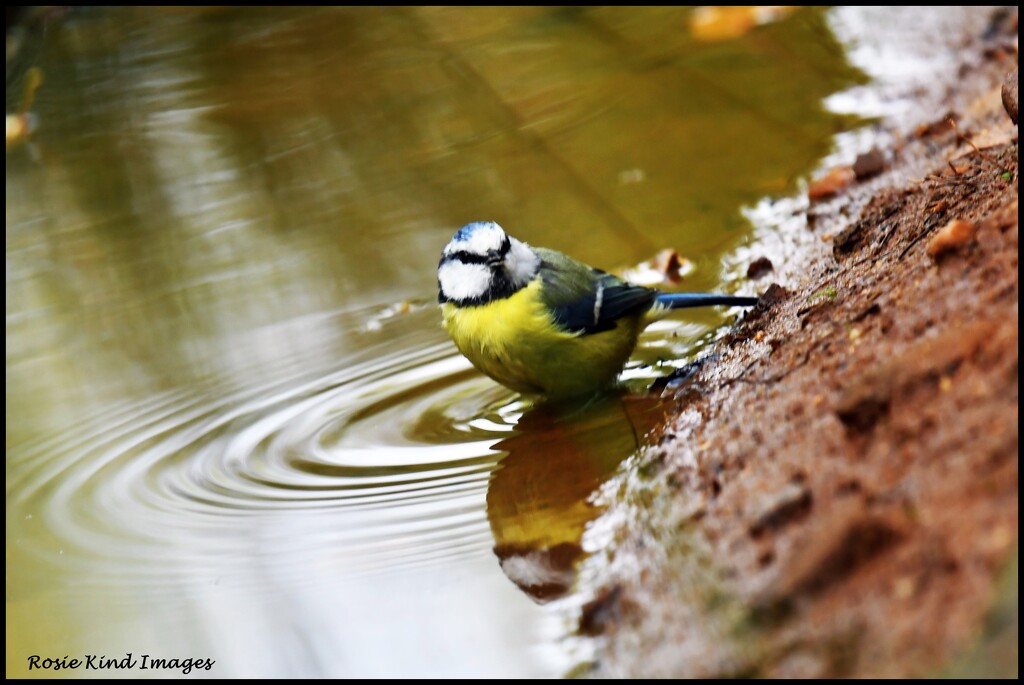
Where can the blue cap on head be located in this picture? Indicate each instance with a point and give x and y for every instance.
(478, 238)
(466, 231)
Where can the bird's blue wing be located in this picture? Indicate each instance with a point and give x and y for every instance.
(587, 300)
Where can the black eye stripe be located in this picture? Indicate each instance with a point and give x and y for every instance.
(466, 257)
(476, 258)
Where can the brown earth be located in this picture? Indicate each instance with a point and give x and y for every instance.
(837, 493)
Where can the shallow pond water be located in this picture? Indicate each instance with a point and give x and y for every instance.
(235, 429)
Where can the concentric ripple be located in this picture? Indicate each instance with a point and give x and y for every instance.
(384, 463)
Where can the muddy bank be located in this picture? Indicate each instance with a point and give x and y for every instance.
(836, 494)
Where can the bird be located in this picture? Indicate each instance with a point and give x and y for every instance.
(540, 322)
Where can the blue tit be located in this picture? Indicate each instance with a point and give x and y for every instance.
(540, 322)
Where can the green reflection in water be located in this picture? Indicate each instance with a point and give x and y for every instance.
(229, 401)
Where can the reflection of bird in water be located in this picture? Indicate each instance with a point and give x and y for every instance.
(538, 499)
(538, 321)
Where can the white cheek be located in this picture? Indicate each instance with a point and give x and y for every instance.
(521, 262)
(461, 281)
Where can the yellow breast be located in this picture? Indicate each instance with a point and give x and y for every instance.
(515, 341)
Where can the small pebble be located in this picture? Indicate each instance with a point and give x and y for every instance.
(1010, 95)
(869, 164)
(759, 267)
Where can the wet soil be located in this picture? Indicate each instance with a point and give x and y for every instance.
(836, 494)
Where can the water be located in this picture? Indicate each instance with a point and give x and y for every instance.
(235, 429)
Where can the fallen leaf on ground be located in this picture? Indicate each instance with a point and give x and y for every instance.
(665, 267)
(834, 181)
(951, 236)
(712, 23)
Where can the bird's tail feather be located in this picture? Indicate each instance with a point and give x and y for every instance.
(686, 300)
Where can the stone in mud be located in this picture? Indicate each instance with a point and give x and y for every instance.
(1010, 95)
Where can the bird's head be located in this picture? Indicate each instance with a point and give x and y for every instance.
(482, 263)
